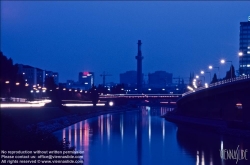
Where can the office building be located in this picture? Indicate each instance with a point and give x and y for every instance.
(55, 75)
(32, 75)
(244, 50)
(86, 79)
(129, 78)
(159, 79)
(36, 76)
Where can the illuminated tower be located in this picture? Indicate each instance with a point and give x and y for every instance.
(244, 51)
(139, 58)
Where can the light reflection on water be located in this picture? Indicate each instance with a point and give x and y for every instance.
(142, 138)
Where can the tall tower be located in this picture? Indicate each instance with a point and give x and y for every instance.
(244, 51)
(139, 58)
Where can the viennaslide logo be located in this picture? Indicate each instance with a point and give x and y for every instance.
(233, 154)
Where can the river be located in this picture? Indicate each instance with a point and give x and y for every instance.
(142, 137)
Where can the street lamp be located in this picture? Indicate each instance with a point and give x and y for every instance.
(17, 84)
(241, 62)
(211, 67)
(223, 62)
(202, 72)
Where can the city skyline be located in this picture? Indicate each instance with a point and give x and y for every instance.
(68, 37)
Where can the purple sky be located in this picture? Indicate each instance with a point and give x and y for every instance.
(69, 37)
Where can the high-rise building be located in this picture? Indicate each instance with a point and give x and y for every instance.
(32, 75)
(86, 79)
(36, 76)
(244, 51)
(129, 78)
(55, 76)
(159, 79)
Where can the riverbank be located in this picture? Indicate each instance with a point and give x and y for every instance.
(232, 128)
(50, 119)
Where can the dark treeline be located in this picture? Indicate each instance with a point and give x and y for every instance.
(12, 84)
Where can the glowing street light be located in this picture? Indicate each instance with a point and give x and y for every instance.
(190, 88)
(240, 54)
(206, 85)
(223, 62)
(211, 67)
(111, 103)
(202, 72)
(197, 76)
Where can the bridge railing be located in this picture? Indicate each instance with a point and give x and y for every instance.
(140, 95)
(223, 82)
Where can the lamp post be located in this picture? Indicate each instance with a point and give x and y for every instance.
(202, 72)
(17, 84)
(204, 78)
(241, 62)
(211, 67)
(8, 89)
(223, 62)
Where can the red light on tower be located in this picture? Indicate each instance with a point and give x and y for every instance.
(85, 73)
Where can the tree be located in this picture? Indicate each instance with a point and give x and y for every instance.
(230, 73)
(102, 89)
(118, 89)
(9, 73)
(94, 96)
(214, 80)
(52, 90)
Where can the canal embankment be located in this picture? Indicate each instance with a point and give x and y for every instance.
(216, 125)
(50, 119)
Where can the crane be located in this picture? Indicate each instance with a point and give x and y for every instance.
(104, 77)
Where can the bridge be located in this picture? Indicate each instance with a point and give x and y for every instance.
(228, 99)
(141, 98)
(219, 83)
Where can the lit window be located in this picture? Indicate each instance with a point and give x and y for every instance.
(248, 52)
(248, 65)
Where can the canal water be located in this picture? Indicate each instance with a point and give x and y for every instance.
(142, 137)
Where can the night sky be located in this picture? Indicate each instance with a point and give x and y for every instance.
(69, 37)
